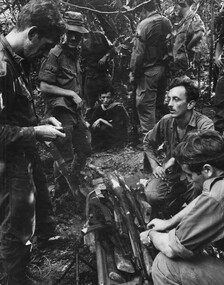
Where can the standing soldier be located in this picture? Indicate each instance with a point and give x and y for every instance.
(190, 31)
(148, 64)
(97, 51)
(38, 28)
(60, 84)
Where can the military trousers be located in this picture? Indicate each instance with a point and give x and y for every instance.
(150, 93)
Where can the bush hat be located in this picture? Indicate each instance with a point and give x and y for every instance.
(75, 22)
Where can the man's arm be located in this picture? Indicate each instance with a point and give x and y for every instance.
(137, 56)
(218, 54)
(164, 225)
(151, 142)
(195, 40)
(54, 90)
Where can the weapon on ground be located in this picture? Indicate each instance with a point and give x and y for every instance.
(132, 229)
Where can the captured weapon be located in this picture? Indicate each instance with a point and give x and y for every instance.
(133, 232)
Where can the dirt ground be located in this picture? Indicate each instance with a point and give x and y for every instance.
(69, 261)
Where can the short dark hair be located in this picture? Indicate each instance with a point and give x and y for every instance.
(105, 89)
(45, 15)
(192, 90)
(199, 148)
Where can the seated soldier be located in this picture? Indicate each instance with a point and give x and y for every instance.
(182, 239)
(166, 192)
(108, 122)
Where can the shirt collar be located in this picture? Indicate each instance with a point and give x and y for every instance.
(192, 123)
(7, 46)
(208, 183)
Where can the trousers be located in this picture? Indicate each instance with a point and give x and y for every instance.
(199, 270)
(150, 93)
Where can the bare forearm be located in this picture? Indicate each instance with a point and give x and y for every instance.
(55, 90)
(161, 242)
(175, 220)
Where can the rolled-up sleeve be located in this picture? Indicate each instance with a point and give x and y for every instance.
(203, 224)
(49, 69)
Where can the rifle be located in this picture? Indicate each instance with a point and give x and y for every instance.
(136, 245)
(63, 168)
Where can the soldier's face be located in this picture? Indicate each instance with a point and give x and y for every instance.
(178, 10)
(177, 102)
(73, 39)
(197, 179)
(37, 47)
(106, 99)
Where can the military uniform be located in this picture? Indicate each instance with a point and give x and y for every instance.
(62, 69)
(95, 45)
(202, 226)
(148, 67)
(186, 29)
(22, 177)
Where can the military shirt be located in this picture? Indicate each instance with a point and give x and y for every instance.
(203, 225)
(187, 27)
(17, 113)
(61, 68)
(94, 46)
(150, 43)
(165, 131)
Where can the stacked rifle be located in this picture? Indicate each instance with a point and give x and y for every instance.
(115, 217)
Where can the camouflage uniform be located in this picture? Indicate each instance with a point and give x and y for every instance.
(95, 46)
(148, 67)
(186, 29)
(22, 177)
(62, 69)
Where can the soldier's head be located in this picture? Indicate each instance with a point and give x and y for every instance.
(201, 156)
(182, 96)
(106, 96)
(38, 28)
(181, 6)
(75, 28)
(146, 8)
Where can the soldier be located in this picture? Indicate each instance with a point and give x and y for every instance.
(38, 28)
(60, 78)
(167, 192)
(183, 239)
(97, 52)
(189, 33)
(148, 64)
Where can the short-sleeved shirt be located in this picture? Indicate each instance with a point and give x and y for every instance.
(188, 26)
(203, 225)
(150, 43)
(17, 112)
(61, 68)
(165, 131)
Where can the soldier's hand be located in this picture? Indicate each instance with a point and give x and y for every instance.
(218, 61)
(144, 237)
(159, 172)
(75, 97)
(47, 133)
(102, 61)
(52, 121)
(158, 225)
